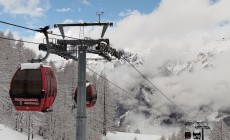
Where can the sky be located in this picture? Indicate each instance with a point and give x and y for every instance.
(159, 31)
(40, 13)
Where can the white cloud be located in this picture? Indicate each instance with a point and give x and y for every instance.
(128, 12)
(63, 10)
(169, 21)
(178, 30)
(79, 9)
(86, 2)
(68, 21)
(33, 8)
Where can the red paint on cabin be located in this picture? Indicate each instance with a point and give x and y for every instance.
(33, 89)
(91, 95)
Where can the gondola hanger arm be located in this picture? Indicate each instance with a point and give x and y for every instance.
(45, 32)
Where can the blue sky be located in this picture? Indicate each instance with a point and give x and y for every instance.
(39, 13)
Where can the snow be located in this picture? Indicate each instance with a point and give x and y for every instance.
(129, 136)
(30, 65)
(9, 134)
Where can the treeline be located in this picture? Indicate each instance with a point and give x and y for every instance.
(61, 123)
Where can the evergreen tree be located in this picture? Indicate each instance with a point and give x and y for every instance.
(220, 131)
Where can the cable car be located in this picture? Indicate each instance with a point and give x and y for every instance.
(196, 134)
(91, 95)
(187, 135)
(33, 87)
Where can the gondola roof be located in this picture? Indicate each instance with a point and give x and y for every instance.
(31, 65)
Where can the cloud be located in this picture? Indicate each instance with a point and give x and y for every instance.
(178, 30)
(147, 126)
(63, 10)
(128, 12)
(168, 21)
(79, 9)
(86, 2)
(32, 8)
(68, 21)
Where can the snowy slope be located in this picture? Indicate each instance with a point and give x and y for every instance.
(9, 134)
(130, 136)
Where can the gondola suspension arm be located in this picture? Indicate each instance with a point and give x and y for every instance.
(45, 32)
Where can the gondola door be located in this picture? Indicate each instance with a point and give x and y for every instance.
(53, 87)
(48, 89)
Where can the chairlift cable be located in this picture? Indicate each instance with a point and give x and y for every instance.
(23, 27)
(17, 26)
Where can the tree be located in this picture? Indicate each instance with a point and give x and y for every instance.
(173, 136)
(137, 131)
(162, 138)
(220, 131)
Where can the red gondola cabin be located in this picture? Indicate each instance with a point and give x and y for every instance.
(33, 87)
(91, 95)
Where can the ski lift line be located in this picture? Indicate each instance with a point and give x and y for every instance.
(23, 27)
(157, 88)
(19, 40)
(18, 26)
(123, 90)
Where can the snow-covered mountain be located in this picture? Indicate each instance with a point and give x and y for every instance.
(103, 65)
